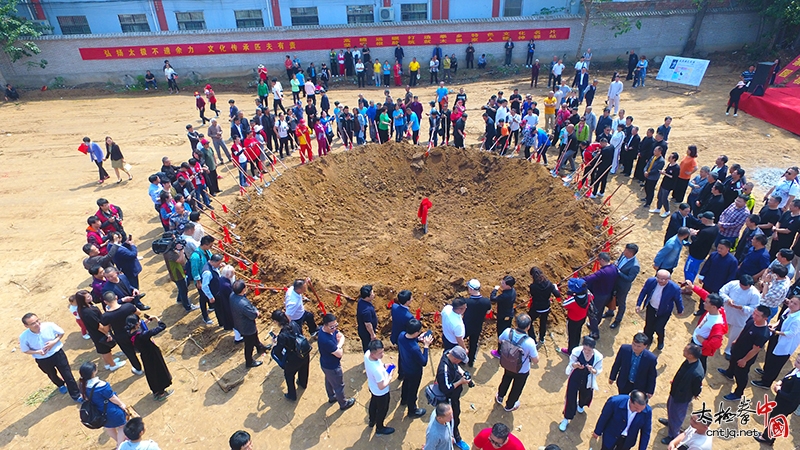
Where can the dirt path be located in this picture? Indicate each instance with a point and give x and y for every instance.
(47, 189)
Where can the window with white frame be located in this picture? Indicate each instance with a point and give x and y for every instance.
(191, 20)
(410, 12)
(360, 14)
(74, 25)
(134, 23)
(249, 18)
(304, 16)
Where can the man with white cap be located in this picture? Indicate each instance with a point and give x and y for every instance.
(451, 380)
(477, 307)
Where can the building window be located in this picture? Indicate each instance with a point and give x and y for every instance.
(193, 20)
(304, 16)
(250, 18)
(360, 14)
(74, 25)
(512, 8)
(134, 23)
(410, 12)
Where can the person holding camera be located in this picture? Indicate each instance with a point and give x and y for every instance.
(451, 380)
(411, 361)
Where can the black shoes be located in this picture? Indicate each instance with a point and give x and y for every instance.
(608, 314)
(759, 371)
(614, 325)
(666, 440)
(661, 346)
(419, 412)
(385, 431)
(254, 364)
(663, 421)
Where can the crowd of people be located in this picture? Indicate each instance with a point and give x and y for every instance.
(744, 262)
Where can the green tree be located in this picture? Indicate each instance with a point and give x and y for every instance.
(14, 32)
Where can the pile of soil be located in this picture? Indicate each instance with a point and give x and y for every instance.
(351, 219)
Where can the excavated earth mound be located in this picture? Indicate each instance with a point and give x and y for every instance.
(350, 219)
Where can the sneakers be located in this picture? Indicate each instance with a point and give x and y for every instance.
(255, 363)
(759, 384)
(385, 431)
(209, 322)
(759, 371)
(513, 408)
(78, 400)
(727, 114)
(580, 409)
(665, 214)
(736, 115)
(194, 307)
(495, 353)
(462, 445)
(498, 399)
(137, 372)
(86, 336)
(163, 396)
(563, 425)
(655, 211)
(564, 350)
(348, 404)
(732, 397)
(116, 366)
(62, 389)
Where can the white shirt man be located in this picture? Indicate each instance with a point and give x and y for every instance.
(532, 119)
(453, 326)
(616, 141)
(740, 301)
(614, 91)
(501, 114)
(277, 91)
(558, 68)
(294, 304)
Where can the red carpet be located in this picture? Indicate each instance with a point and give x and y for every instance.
(778, 106)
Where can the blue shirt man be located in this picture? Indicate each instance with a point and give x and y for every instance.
(414, 121)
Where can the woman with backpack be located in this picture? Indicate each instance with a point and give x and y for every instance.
(577, 306)
(155, 368)
(584, 364)
(285, 349)
(101, 399)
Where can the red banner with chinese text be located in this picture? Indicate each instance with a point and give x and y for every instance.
(283, 45)
(787, 71)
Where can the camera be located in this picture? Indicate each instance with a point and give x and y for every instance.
(468, 377)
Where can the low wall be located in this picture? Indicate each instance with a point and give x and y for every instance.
(661, 33)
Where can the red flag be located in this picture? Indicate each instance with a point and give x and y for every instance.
(607, 246)
(418, 315)
(389, 305)
(225, 208)
(580, 184)
(274, 159)
(596, 266)
(257, 292)
(588, 193)
(254, 268)
(611, 230)
(241, 265)
(226, 258)
(490, 314)
(220, 245)
(605, 222)
(575, 274)
(226, 233)
(422, 211)
(213, 216)
(436, 317)
(530, 302)
(321, 307)
(242, 190)
(338, 301)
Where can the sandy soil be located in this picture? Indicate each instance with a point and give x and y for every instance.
(42, 252)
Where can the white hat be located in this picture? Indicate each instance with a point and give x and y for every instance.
(258, 128)
(474, 284)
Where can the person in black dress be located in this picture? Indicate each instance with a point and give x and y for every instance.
(667, 184)
(155, 368)
(222, 306)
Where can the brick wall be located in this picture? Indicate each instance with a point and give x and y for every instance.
(661, 33)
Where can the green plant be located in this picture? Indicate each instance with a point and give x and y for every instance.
(58, 83)
(551, 11)
(40, 395)
(14, 29)
(624, 25)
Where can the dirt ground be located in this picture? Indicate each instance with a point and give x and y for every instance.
(45, 267)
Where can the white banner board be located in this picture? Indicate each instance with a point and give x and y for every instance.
(677, 69)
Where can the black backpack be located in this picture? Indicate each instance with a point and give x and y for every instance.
(301, 346)
(91, 416)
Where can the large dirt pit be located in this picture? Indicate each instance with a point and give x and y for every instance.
(351, 219)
